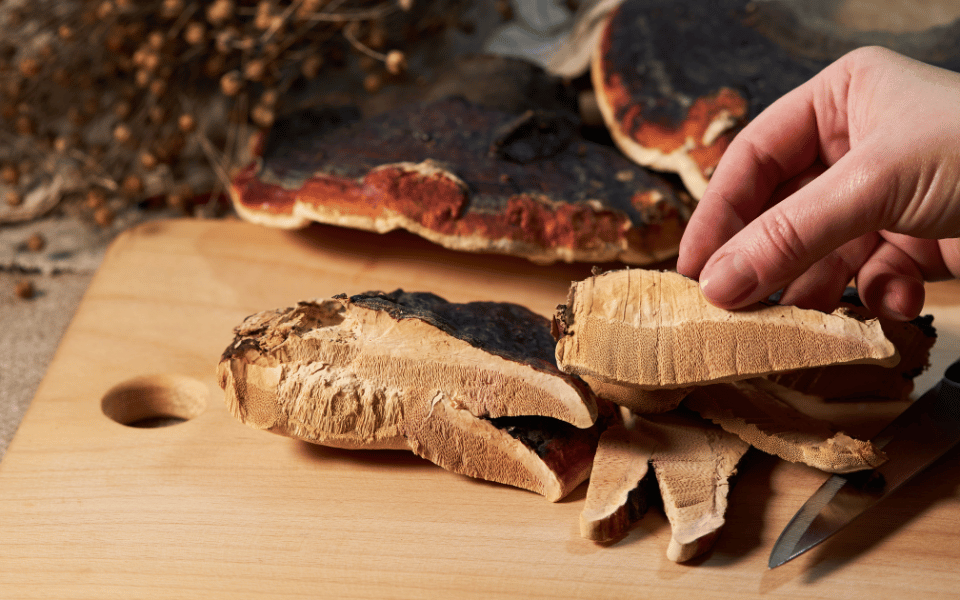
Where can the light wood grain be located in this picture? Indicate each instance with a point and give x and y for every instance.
(210, 508)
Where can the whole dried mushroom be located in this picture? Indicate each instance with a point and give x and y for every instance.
(471, 387)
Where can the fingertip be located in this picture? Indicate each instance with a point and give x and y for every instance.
(729, 281)
(896, 297)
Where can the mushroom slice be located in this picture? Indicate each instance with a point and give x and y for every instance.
(471, 387)
(619, 488)
(468, 178)
(694, 461)
(913, 340)
(754, 411)
(652, 329)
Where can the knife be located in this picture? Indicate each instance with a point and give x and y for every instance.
(922, 433)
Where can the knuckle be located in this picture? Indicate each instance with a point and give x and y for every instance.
(782, 244)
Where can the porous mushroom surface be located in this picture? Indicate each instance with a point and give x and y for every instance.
(755, 410)
(471, 387)
(693, 461)
(467, 177)
(651, 329)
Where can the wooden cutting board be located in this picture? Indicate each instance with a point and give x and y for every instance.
(208, 508)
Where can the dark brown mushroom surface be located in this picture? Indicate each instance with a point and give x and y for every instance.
(676, 79)
(466, 177)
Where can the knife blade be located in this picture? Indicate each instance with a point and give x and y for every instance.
(920, 435)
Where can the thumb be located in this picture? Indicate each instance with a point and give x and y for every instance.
(849, 199)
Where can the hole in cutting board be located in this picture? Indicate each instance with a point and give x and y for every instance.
(152, 401)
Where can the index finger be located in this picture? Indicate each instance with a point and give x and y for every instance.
(778, 145)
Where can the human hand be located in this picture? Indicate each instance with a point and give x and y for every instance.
(854, 174)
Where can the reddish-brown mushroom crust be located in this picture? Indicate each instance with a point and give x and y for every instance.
(441, 171)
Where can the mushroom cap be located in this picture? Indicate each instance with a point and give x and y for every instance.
(676, 79)
(467, 177)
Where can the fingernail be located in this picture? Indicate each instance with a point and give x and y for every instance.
(728, 281)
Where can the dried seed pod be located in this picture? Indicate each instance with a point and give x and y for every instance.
(103, 216)
(171, 9)
(255, 69)
(231, 83)
(36, 243)
(24, 289)
(104, 9)
(195, 33)
(122, 133)
(10, 174)
(220, 11)
(262, 115)
(269, 97)
(186, 122)
(132, 186)
(24, 125)
(372, 83)
(156, 40)
(148, 160)
(30, 67)
(311, 65)
(405, 5)
(65, 32)
(96, 198)
(396, 62)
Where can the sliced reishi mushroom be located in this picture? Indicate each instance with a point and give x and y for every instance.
(617, 495)
(653, 330)
(913, 340)
(754, 411)
(468, 178)
(471, 387)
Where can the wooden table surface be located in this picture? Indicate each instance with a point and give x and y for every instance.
(208, 508)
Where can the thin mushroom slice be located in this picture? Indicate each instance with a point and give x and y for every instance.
(694, 461)
(653, 330)
(913, 340)
(754, 411)
(471, 387)
(620, 484)
(638, 399)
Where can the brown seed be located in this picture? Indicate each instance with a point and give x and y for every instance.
(96, 198)
(230, 83)
(61, 143)
(171, 9)
(396, 62)
(214, 65)
(220, 11)
(186, 122)
(122, 109)
(142, 78)
(255, 69)
(14, 198)
(405, 5)
(195, 33)
(24, 289)
(24, 125)
(151, 61)
(148, 160)
(158, 87)
(103, 216)
(122, 133)
(269, 97)
(156, 40)
(29, 67)
(104, 9)
(132, 186)
(65, 32)
(36, 243)
(10, 174)
(372, 83)
(311, 65)
(262, 115)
